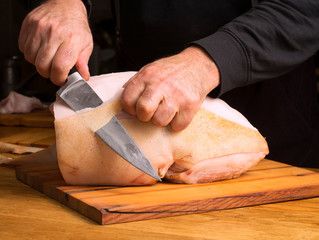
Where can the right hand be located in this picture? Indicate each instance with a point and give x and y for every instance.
(55, 37)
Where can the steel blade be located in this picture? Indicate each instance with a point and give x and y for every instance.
(78, 94)
(117, 138)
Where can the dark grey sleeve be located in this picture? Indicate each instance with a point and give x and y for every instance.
(267, 41)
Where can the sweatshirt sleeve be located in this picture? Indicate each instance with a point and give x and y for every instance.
(269, 40)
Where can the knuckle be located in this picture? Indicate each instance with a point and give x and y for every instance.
(179, 125)
(143, 107)
(128, 105)
(45, 22)
(58, 67)
(143, 111)
(42, 69)
(43, 72)
(31, 19)
(39, 23)
(29, 57)
(42, 25)
(150, 71)
(159, 122)
(126, 98)
(190, 100)
(183, 119)
(164, 114)
(56, 30)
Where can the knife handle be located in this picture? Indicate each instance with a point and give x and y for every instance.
(73, 70)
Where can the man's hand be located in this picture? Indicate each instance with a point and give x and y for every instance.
(171, 90)
(55, 37)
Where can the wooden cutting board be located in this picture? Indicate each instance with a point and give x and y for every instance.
(268, 182)
(37, 118)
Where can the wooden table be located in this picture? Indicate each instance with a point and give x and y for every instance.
(27, 214)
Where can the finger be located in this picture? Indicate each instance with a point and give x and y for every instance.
(182, 119)
(148, 103)
(29, 41)
(131, 93)
(64, 59)
(82, 63)
(132, 79)
(83, 69)
(45, 57)
(31, 48)
(164, 113)
(128, 82)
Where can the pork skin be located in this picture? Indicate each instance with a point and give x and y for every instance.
(219, 143)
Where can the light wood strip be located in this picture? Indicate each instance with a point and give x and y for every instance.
(37, 118)
(42, 137)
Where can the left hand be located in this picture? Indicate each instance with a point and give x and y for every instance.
(171, 90)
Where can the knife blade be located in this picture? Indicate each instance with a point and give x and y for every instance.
(124, 145)
(78, 94)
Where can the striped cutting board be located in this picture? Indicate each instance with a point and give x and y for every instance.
(268, 182)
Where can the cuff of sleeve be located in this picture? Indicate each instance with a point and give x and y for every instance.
(230, 57)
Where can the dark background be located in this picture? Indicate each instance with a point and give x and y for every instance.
(19, 75)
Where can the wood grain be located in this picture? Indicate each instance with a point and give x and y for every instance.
(268, 182)
(37, 118)
(27, 136)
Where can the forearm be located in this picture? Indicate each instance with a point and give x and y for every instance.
(204, 66)
(266, 42)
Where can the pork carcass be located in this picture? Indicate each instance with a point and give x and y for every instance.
(218, 144)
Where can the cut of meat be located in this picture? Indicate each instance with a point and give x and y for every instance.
(17, 103)
(218, 144)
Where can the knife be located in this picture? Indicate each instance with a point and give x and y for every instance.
(78, 94)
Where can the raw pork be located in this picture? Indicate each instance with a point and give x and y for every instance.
(18, 103)
(219, 143)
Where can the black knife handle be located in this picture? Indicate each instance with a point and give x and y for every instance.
(73, 70)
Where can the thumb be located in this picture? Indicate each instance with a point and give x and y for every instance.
(82, 63)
